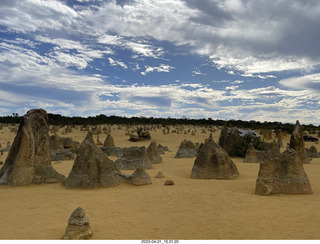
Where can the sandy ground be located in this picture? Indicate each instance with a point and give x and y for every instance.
(191, 209)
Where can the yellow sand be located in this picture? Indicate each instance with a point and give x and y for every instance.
(191, 209)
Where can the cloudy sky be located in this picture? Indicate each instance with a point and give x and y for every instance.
(232, 59)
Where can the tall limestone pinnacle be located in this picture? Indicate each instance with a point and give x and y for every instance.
(29, 160)
(297, 143)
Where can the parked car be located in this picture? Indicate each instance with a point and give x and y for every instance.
(242, 133)
(309, 138)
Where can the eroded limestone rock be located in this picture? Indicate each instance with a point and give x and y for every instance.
(78, 226)
(187, 149)
(281, 173)
(92, 168)
(213, 162)
(29, 160)
(297, 143)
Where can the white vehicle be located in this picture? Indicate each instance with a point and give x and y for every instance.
(242, 133)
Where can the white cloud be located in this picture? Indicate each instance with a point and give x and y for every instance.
(145, 50)
(232, 88)
(136, 46)
(250, 37)
(307, 82)
(73, 53)
(197, 72)
(162, 68)
(193, 85)
(252, 65)
(114, 62)
(34, 15)
(70, 60)
(111, 39)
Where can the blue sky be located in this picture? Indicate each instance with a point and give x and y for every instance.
(233, 59)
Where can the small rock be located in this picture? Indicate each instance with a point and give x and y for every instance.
(78, 226)
(159, 175)
(139, 178)
(169, 183)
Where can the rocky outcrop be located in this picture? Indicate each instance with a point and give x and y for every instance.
(134, 158)
(92, 168)
(57, 142)
(162, 149)
(139, 178)
(169, 183)
(62, 148)
(312, 152)
(113, 151)
(61, 154)
(29, 160)
(109, 142)
(213, 162)
(228, 140)
(281, 173)
(159, 175)
(78, 226)
(110, 149)
(153, 153)
(187, 149)
(297, 143)
(251, 154)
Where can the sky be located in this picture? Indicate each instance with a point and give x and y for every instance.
(232, 59)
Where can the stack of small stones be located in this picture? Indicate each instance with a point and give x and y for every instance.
(78, 226)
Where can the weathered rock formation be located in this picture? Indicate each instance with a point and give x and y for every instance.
(78, 226)
(109, 142)
(159, 175)
(312, 152)
(61, 148)
(162, 149)
(92, 168)
(139, 178)
(61, 154)
(228, 140)
(134, 158)
(251, 154)
(153, 153)
(187, 150)
(281, 173)
(169, 183)
(57, 142)
(213, 162)
(114, 151)
(110, 149)
(297, 143)
(29, 160)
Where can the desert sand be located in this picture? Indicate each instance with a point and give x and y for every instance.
(190, 209)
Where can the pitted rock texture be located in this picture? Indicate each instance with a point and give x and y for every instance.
(29, 160)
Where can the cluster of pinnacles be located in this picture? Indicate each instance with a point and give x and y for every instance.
(29, 162)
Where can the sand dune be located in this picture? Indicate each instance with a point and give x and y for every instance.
(191, 209)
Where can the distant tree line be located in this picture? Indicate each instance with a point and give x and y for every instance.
(57, 119)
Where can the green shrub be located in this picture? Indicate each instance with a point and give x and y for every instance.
(243, 142)
(143, 133)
